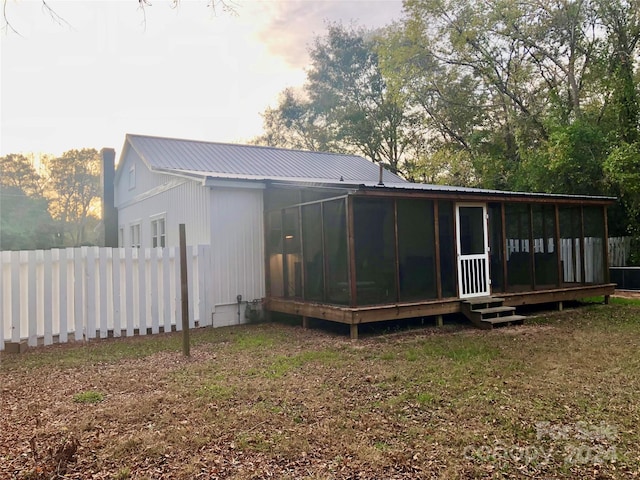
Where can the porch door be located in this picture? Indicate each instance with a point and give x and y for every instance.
(473, 250)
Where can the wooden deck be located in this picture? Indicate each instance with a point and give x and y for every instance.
(368, 314)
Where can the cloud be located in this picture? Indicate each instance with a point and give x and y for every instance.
(293, 25)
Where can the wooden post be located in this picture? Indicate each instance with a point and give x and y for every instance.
(305, 322)
(354, 331)
(436, 246)
(560, 306)
(185, 292)
(439, 321)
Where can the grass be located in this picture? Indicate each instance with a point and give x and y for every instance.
(613, 300)
(556, 398)
(90, 396)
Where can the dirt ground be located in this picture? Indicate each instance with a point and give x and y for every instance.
(627, 294)
(277, 401)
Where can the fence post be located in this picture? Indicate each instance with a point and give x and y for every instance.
(166, 287)
(185, 292)
(115, 291)
(48, 297)
(32, 312)
(142, 291)
(153, 289)
(2, 290)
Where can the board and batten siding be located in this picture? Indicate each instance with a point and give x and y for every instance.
(237, 232)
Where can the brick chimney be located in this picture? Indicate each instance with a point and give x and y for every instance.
(109, 211)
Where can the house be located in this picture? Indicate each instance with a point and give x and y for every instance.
(334, 237)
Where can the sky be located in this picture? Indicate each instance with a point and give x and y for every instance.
(108, 68)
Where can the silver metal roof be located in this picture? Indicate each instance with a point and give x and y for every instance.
(223, 160)
(425, 187)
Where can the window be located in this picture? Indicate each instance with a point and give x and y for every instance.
(158, 237)
(135, 235)
(132, 177)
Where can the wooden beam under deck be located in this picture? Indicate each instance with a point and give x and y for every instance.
(398, 311)
(369, 314)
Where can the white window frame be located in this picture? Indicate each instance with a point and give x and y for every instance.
(133, 229)
(158, 239)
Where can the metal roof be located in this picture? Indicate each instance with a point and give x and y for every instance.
(223, 160)
(448, 189)
(482, 191)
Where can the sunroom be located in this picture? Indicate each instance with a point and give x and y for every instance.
(366, 253)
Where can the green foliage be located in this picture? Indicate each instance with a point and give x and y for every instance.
(502, 95)
(56, 208)
(346, 105)
(622, 168)
(569, 162)
(25, 223)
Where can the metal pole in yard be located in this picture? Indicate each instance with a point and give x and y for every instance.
(185, 292)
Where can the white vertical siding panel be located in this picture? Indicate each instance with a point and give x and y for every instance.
(2, 301)
(104, 296)
(203, 290)
(47, 314)
(16, 287)
(186, 203)
(178, 289)
(57, 298)
(78, 299)
(116, 265)
(91, 284)
(153, 289)
(166, 288)
(142, 292)
(32, 300)
(238, 251)
(190, 283)
(128, 313)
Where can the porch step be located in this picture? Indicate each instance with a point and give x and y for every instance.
(487, 312)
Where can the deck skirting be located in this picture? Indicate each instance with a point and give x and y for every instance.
(398, 311)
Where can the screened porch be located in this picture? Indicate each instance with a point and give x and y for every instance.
(376, 253)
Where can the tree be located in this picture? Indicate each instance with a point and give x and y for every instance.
(16, 170)
(346, 104)
(294, 124)
(622, 168)
(25, 223)
(75, 189)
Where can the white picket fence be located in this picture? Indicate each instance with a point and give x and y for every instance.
(55, 296)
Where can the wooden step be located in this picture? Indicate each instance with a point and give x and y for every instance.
(512, 319)
(487, 312)
(480, 300)
(492, 312)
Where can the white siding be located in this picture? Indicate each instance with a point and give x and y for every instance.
(146, 180)
(238, 249)
(229, 219)
(187, 202)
